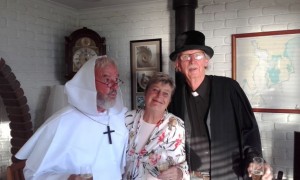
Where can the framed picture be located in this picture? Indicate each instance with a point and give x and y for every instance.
(267, 66)
(145, 59)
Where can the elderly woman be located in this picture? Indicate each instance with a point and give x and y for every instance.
(156, 137)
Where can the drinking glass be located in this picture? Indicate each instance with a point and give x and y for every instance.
(86, 172)
(257, 168)
(163, 163)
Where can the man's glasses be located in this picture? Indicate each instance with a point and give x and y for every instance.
(109, 82)
(197, 56)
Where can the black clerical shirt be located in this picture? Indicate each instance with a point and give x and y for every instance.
(198, 108)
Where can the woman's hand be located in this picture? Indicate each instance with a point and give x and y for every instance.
(173, 173)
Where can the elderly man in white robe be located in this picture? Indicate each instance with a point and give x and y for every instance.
(90, 131)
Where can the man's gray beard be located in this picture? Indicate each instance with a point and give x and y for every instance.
(105, 103)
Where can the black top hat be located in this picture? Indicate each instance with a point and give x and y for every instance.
(190, 40)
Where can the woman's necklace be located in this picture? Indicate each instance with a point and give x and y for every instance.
(108, 132)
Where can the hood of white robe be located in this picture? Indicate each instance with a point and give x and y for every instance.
(82, 94)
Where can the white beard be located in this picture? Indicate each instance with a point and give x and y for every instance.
(105, 102)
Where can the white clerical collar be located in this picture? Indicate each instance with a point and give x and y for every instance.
(195, 94)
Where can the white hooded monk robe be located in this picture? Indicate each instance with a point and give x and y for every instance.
(77, 136)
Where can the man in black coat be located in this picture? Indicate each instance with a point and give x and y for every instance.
(221, 130)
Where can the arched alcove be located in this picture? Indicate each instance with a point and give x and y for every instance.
(17, 109)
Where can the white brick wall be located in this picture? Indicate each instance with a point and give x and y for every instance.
(33, 46)
(32, 41)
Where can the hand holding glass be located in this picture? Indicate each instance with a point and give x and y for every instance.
(257, 168)
(86, 172)
(163, 164)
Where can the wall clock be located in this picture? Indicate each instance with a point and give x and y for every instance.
(80, 46)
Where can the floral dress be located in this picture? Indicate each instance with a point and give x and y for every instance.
(164, 148)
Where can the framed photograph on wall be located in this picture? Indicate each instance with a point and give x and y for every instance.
(267, 66)
(145, 59)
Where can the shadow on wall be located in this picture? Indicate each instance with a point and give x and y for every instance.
(56, 101)
(282, 146)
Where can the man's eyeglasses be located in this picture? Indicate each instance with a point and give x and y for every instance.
(110, 83)
(197, 56)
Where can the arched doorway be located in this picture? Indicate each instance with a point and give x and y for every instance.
(17, 109)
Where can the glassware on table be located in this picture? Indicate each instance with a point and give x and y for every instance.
(257, 168)
(86, 172)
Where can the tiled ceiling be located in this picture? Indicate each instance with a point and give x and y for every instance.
(86, 4)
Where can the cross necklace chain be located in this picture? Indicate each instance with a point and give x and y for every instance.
(108, 132)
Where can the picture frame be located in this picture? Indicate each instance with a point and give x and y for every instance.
(145, 60)
(267, 67)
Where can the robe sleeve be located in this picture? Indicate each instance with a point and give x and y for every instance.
(35, 151)
(249, 131)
